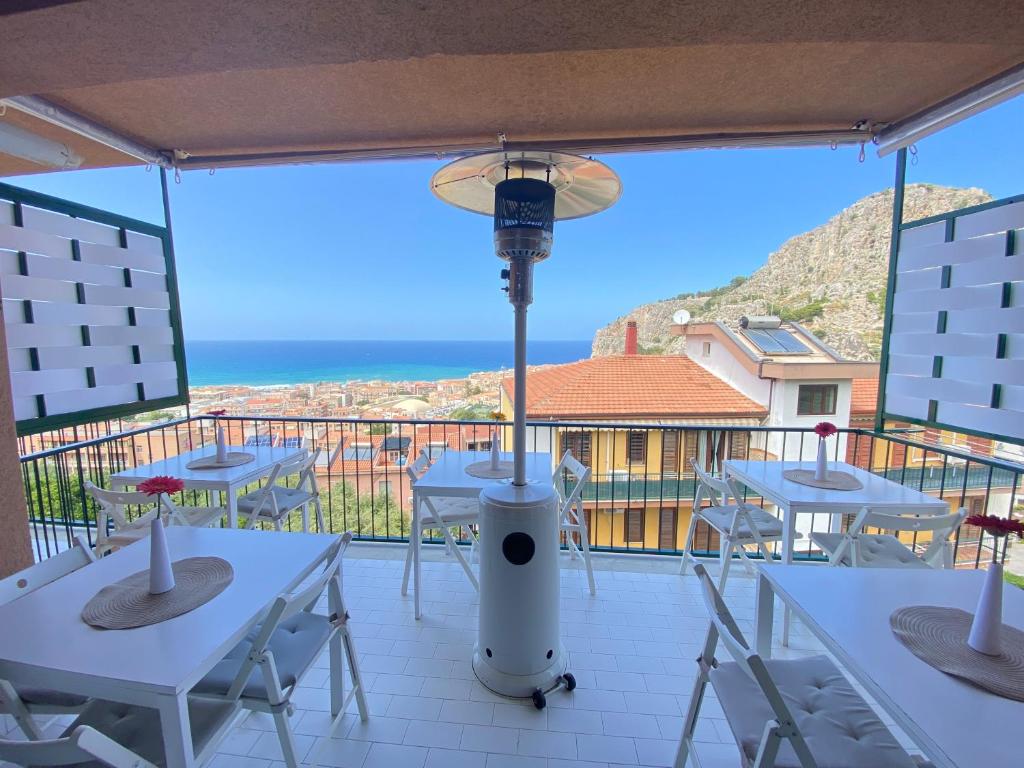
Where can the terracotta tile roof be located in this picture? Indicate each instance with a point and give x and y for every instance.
(864, 397)
(632, 386)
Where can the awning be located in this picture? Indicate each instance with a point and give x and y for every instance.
(255, 82)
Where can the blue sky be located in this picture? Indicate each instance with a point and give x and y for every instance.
(365, 251)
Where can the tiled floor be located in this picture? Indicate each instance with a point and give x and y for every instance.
(632, 649)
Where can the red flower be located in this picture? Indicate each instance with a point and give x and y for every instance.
(221, 412)
(161, 484)
(997, 526)
(825, 429)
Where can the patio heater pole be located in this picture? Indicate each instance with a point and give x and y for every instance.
(525, 269)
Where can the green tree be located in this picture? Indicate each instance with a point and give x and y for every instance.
(474, 412)
(380, 429)
(378, 515)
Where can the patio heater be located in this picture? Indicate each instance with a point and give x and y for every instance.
(519, 652)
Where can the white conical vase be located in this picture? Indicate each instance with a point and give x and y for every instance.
(821, 468)
(495, 451)
(222, 446)
(988, 616)
(161, 575)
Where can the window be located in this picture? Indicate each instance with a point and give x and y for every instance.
(384, 487)
(692, 440)
(637, 447)
(816, 399)
(633, 525)
(706, 349)
(669, 452)
(435, 450)
(578, 444)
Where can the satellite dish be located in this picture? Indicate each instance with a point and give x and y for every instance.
(682, 317)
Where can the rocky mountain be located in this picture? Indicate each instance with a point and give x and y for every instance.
(831, 279)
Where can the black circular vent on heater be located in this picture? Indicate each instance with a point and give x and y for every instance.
(526, 203)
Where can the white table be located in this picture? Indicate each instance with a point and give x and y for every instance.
(955, 724)
(448, 477)
(224, 481)
(766, 480)
(155, 666)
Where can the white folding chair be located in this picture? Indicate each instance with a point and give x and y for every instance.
(107, 733)
(264, 669)
(443, 513)
(738, 525)
(858, 549)
(273, 502)
(25, 701)
(111, 515)
(569, 479)
(784, 713)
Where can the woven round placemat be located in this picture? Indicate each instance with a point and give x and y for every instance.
(234, 459)
(128, 604)
(835, 481)
(938, 636)
(483, 469)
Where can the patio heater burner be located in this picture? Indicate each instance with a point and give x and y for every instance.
(518, 651)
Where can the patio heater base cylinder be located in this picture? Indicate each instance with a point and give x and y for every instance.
(519, 650)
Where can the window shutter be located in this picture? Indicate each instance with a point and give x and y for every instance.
(667, 528)
(577, 443)
(637, 446)
(738, 444)
(690, 450)
(670, 452)
(634, 525)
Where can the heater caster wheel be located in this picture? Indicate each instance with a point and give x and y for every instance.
(539, 701)
(570, 681)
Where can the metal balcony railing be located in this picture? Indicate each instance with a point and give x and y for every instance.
(638, 500)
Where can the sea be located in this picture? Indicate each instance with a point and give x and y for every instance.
(267, 363)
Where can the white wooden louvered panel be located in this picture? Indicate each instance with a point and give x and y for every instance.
(25, 408)
(131, 335)
(38, 289)
(82, 357)
(957, 252)
(75, 271)
(52, 313)
(964, 297)
(96, 397)
(20, 239)
(160, 388)
(926, 234)
(87, 310)
(910, 365)
(949, 347)
(132, 374)
(998, 219)
(41, 336)
(152, 318)
(994, 421)
(914, 322)
(126, 297)
(39, 220)
(27, 383)
(122, 257)
(156, 353)
(956, 344)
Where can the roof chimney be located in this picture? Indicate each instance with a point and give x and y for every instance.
(631, 340)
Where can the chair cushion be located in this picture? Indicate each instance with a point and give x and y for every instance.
(44, 697)
(840, 729)
(295, 644)
(138, 728)
(720, 518)
(876, 550)
(200, 517)
(454, 509)
(288, 499)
